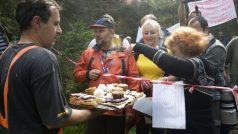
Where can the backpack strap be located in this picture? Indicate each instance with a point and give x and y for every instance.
(123, 69)
(4, 119)
(89, 66)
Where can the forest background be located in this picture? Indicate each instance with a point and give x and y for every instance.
(78, 14)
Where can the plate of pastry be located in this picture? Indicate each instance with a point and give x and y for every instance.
(109, 97)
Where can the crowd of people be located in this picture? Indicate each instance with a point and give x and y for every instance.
(31, 93)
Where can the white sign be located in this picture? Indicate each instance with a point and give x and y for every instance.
(173, 28)
(168, 106)
(139, 34)
(215, 11)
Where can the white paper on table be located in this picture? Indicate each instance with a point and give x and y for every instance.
(143, 105)
(168, 106)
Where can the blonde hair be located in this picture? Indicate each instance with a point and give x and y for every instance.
(189, 41)
(152, 24)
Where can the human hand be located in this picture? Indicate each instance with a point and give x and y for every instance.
(94, 74)
(146, 84)
(132, 45)
(129, 49)
(164, 79)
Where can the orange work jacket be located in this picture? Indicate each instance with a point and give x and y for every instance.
(90, 59)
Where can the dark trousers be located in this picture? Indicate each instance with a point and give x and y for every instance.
(225, 129)
(143, 128)
(196, 128)
(106, 125)
(199, 118)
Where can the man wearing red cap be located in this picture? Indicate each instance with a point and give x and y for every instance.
(101, 59)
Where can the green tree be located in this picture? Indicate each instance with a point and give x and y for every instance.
(71, 44)
(7, 15)
(78, 14)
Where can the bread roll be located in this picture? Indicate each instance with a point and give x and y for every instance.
(124, 86)
(90, 91)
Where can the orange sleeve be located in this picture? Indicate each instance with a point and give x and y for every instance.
(80, 69)
(132, 71)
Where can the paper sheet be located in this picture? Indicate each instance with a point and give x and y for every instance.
(144, 105)
(168, 106)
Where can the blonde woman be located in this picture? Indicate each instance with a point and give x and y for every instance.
(147, 69)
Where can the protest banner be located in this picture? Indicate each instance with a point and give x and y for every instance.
(215, 12)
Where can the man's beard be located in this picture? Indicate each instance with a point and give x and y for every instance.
(100, 42)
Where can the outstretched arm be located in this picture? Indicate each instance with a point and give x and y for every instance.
(77, 116)
(182, 68)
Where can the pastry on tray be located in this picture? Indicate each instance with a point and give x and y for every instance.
(83, 99)
(115, 98)
(118, 94)
(90, 90)
(124, 86)
(117, 89)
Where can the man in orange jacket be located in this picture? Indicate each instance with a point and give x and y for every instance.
(101, 59)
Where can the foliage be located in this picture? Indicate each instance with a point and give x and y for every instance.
(78, 14)
(165, 10)
(77, 129)
(7, 15)
(71, 44)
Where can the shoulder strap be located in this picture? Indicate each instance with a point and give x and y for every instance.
(4, 119)
(89, 66)
(123, 69)
(90, 63)
(90, 55)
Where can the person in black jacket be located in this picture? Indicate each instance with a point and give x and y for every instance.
(193, 71)
(198, 104)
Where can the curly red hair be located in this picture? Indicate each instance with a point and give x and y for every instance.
(189, 41)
